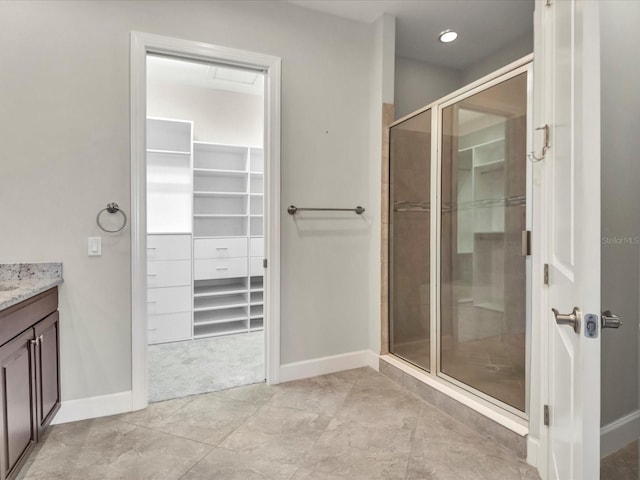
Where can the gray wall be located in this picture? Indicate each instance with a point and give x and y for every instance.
(509, 53)
(620, 104)
(418, 84)
(65, 154)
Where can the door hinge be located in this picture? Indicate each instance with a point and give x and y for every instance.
(264, 263)
(546, 274)
(547, 3)
(546, 415)
(526, 243)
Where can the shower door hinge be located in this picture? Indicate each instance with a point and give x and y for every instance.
(546, 274)
(526, 243)
(264, 263)
(547, 3)
(546, 415)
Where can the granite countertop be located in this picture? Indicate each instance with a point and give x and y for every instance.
(20, 281)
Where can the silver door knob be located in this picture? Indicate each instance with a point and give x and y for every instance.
(610, 320)
(572, 319)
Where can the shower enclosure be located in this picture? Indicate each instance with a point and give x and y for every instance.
(458, 222)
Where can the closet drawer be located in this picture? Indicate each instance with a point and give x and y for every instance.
(220, 268)
(169, 300)
(169, 328)
(168, 247)
(257, 247)
(220, 247)
(257, 270)
(173, 273)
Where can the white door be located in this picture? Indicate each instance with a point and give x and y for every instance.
(567, 54)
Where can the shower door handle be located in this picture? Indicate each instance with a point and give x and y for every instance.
(572, 319)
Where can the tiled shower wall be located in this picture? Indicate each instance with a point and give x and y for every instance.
(387, 119)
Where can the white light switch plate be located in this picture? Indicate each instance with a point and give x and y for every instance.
(95, 246)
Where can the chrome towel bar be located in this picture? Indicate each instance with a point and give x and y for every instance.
(292, 209)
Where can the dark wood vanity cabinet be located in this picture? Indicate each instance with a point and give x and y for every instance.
(17, 422)
(29, 377)
(47, 370)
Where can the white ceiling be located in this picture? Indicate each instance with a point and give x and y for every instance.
(484, 26)
(203, 75)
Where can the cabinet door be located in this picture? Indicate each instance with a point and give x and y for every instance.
(17, 402)
(169, 300)
(170, 327)
(219, 248)
(47, 369)
(220, 268)
(169, 247)
(172, 273)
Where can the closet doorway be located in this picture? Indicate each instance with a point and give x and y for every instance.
(205, 227)
(205, 151)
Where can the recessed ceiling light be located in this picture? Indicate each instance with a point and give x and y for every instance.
(448, 36)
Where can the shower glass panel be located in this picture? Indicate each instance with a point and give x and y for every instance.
(483, 214)
(409, 231)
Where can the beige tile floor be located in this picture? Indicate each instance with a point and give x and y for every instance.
(356, 425)
(621, 465)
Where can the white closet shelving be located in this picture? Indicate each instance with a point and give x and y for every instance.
(481, 213)
(205, 213)
(227, 225)
(169, 260)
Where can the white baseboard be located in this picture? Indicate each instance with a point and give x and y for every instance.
(325, 365)
(533, 449)
(620, 433)
(93, 407)
(115, 403)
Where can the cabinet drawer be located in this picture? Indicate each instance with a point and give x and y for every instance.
(169, 300)
(168, 247)
(172, 273)
(170, 327)
(257, 270)
(257, 247)
(220, 268)
(220, 247)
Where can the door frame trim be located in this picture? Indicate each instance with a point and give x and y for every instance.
(141, 45)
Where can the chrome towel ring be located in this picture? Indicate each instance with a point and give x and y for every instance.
(112, 208)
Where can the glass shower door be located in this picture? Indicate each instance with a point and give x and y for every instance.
(483, 214)
(409, 237)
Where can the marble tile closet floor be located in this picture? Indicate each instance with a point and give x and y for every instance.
(205, 365)
(356, 425)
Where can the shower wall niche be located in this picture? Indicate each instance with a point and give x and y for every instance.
(475, 334)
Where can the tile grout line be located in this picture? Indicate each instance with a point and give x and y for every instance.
(413, 441)
(328, 423)
(146, 427)
(244, 422)
(149, 406)
(169, 434)
(442, 412)
(197, 463)
(213, 447)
